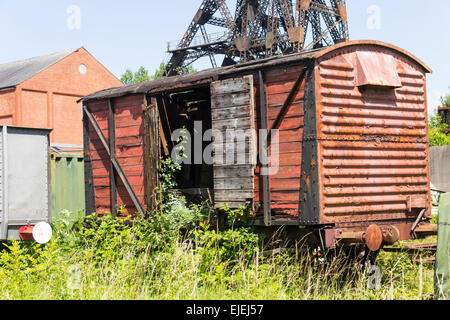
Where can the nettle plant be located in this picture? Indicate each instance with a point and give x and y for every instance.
(236, 216)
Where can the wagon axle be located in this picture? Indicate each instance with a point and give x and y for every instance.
(374, 237)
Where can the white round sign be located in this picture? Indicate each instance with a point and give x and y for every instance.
(42, 232)
(82, 69)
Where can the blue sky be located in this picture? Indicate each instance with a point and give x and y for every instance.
(128, 34)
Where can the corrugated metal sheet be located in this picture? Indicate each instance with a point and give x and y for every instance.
(24, 179)
(67, 184)
(373, 143)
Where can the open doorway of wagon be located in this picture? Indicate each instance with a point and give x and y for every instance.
(185, 120)
(67, 186)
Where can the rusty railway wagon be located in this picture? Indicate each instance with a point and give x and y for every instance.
(346, 134)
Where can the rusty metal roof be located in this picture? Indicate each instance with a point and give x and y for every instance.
(14, 73)
(348, 44)
(209, 75)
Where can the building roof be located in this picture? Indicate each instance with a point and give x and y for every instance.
(209, 75)
(14, 73)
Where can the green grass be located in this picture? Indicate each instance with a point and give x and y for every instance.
(175, 254)
(114, 261)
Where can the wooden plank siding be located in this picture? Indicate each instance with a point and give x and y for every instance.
(129, 129)
(232, 108)
(285, 184)
(234, 105)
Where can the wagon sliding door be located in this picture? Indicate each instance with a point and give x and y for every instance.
(233, 123)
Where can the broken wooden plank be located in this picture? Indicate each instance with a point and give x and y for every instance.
(153, 143)
(163, 140)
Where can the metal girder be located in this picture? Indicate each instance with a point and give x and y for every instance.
(260, 28)
(288, 16)
(211, 55)
(226, 14)
(330, 17)
(203, 15)
(218, 22)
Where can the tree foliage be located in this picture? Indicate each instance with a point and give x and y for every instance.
(159, 73)
(142, 74)
(438, 132)
(438, 128)
(445, 100)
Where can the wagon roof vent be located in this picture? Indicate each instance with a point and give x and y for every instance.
(376, 70)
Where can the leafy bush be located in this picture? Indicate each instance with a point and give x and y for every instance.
(437, 132)
(229, 247)
(445, 100)
(235, 216)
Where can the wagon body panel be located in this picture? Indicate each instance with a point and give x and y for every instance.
(372, 135)
(286, 151)
(129, 149)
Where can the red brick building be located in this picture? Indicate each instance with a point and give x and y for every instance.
(43, 92)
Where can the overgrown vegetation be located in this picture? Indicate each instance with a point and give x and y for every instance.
(438, 132)
(445, 100)
(438, 128)
(177, 254)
